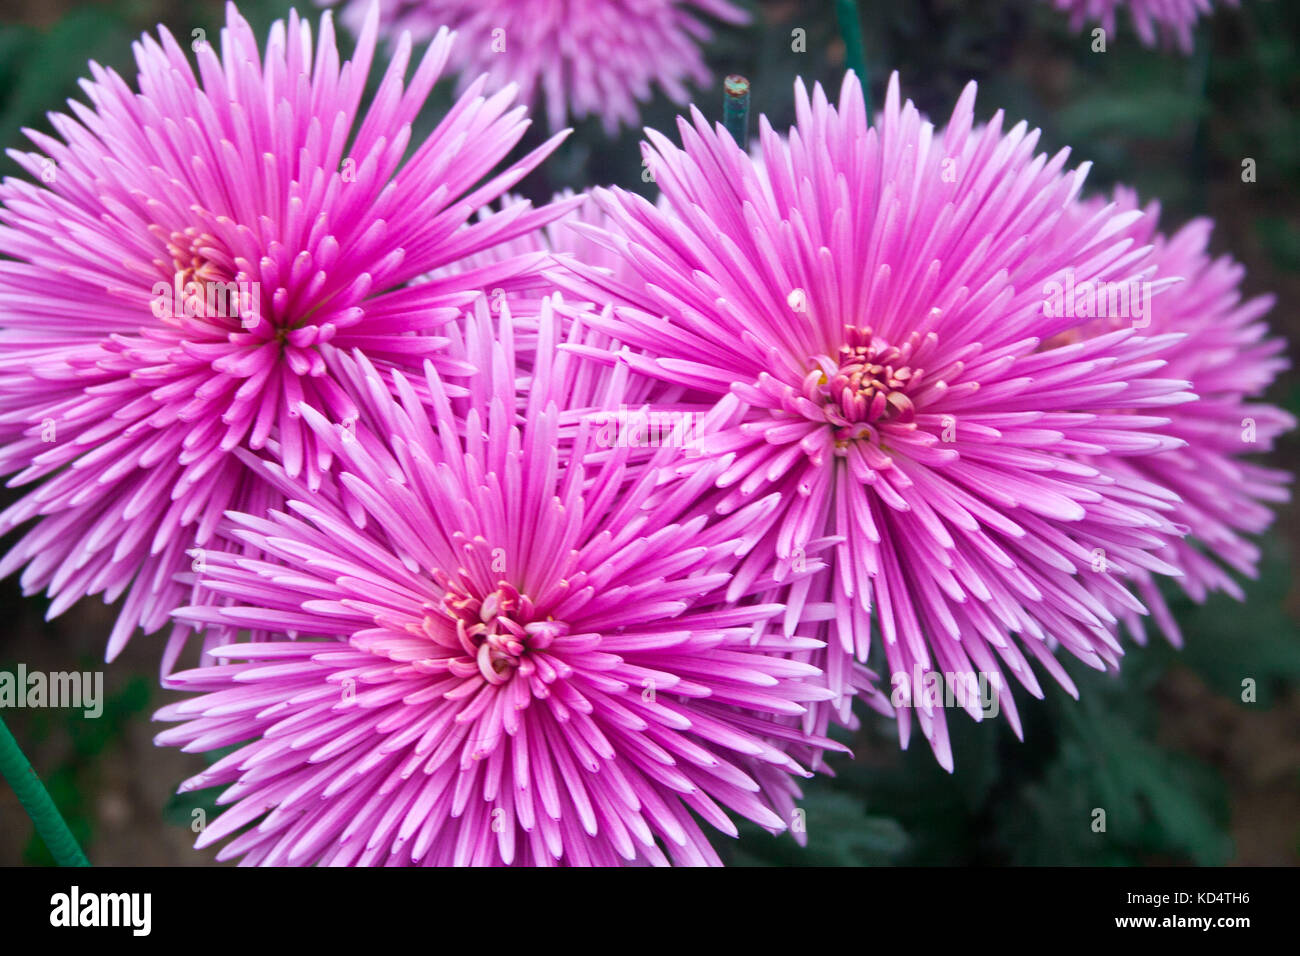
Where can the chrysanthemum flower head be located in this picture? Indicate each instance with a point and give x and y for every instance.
(501, 655)
(866, 305)
(186, 260)
(1222, 345)
(578, 57)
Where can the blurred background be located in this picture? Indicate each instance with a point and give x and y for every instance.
(1187, 772)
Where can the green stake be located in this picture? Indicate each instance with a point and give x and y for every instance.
(36, 801)
(855, 54)
(735, 109)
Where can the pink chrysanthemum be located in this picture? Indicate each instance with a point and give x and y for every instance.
(1226, 352)
(129, 373)
(501, 657)
(867, 306)
(582, 57)
(1154, 20)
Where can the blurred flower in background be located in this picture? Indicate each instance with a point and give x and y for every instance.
(1224, 348)
(571, 58)
(1154, 20)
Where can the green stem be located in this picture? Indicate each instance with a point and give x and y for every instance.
(735, 109)
(855, 54)
(36, 801)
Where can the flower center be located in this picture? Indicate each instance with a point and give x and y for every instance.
(868, 384)
(189, 260)
(498, 631)
(206, 284)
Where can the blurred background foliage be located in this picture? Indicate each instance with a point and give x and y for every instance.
(1186, 771)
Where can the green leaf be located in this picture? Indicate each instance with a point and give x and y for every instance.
(838, 832)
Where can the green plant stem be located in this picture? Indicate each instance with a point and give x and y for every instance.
(735, 109)
(35, 799)
(855, 54)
